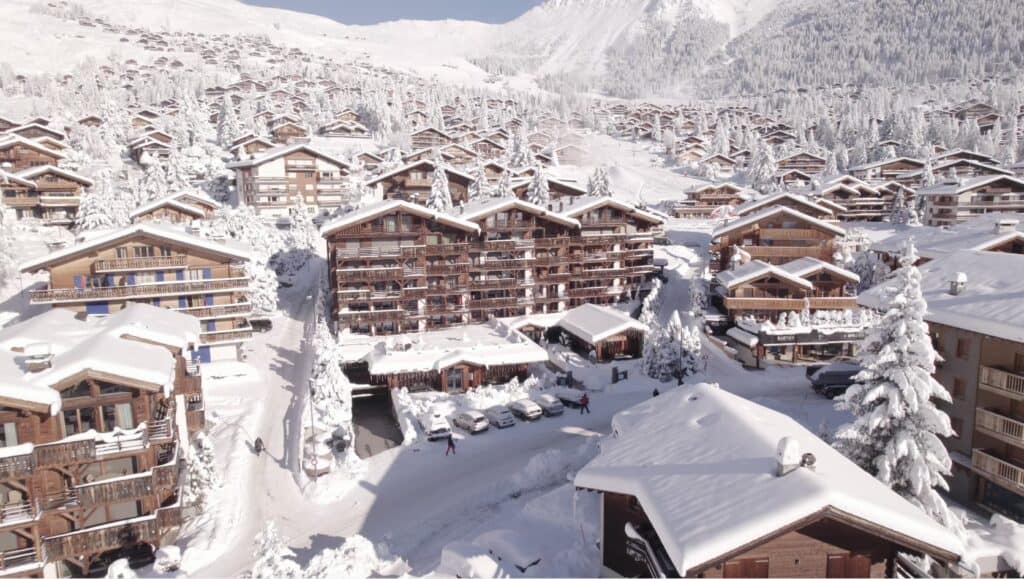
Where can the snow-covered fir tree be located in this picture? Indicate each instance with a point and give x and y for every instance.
(440, 198)
(154, 181)
(896, 429)
(202, 471)
(272, 557)
(262, 285)
(599, 185)
(763, 167)
(537, 192)
(504, 188)
(302, 231)
(8, 269)
(96, 206)
(478, 186)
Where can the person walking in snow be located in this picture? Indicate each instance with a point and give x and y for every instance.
(655, 393)
(585, 404)
(258, 446)
(451, 445)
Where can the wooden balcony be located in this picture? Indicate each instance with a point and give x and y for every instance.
(225, 336)
(777, 251)
(502, 264)
(1004, 428)
(790, 304)
(129, 292)
(446, 248)
(447, 268)
(502, 245)
(17, 513)
(508, 302)
(598, 292)
(379, 252)
(1004, 473)
(219, 310)
(105, 537)
(140, 263)
(390, 273)
(792, 233)
(356, 316)
(366, 229)
(495, 283)
(552, 242)
(999, 381)
(18, 559)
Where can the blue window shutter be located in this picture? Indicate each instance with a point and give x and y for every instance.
(109, 280)
(131, 279)
(208, 300)
(78, 282)
(97, 308)
(204, 353)
(179, 275)
(211, 325)
(159, 276)
(207, 273)
(182, 303)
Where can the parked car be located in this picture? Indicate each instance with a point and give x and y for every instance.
(834, 379)
(526, 409)
(472, 421)
(435, 426)
(570, 397)
(550, 404)
(499, 416)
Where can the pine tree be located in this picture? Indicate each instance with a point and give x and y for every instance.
(440, 195)
(762, 167)
(538, 192)
(896, 427)
(262, 286)
(8, 271)
(94, 209)
(154, 182)
(478, 186)
(599, 185)
(202, 472)
(273, 558)
(302, 230)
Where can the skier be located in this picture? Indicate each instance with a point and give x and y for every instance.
(655, 393)
(585, 404)
(451, 445)
(258, 446)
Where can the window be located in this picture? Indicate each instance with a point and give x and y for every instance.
(9, 434)
(959, 388)
(963, 348)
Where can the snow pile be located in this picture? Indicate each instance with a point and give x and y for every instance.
(119, 569)
(406, 413)
(551, 466)
(357, 558)
(1001, 539)
(484, 397)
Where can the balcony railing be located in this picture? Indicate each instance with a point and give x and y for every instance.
(140, 263)
(1003, 472)
(18, 558)
(551, 241)
(15, 513)
(1002, 382)
(796, 304)
(223, 336)
(218, 310)
(138, 291)
(105, 537)
(378, 252)
(1003, 427)
(495, 283)
(768, 251)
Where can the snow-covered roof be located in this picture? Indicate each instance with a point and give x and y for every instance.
(16, 390)
(979, 232)
(990, 302)
(151, 366)
(876, 164)
(169, 201)
(760, 215)
(483, 345)
(388, 206)
(12, 139)
(701, 462)
(474, 210)
(742, 336)
(592, 323)
(752, 270)
(275, 152)
(34, 172)
(807, 265)
(405, 168)
(755, 205)
(964, 185)
(579, 206)
(6, 177)
(159, 230)
(153, 324)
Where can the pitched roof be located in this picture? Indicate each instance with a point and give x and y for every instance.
(580, 206)
(169, 233)
(807, 265)
(701, 462)
(752, 270)
(275, 152)
(476, 209)
(593, 323)
(755, 217)
(757, 204)
(389, 206)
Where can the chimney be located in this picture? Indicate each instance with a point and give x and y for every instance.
(38, 357)
(958, 284)
(1006, 225)
(787, 456)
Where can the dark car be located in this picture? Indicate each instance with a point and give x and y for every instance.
(833, 379)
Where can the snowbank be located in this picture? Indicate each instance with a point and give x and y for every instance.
(996, 545)
(406, 411)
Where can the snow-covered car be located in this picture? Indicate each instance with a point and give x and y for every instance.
(570, 397)
(526, 409)
(550, 404)
(435, 426)
(834, 379)
(471, 421)
(513, 548)
(500, 417)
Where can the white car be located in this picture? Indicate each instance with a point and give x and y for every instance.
(500, 417)
(526, 409)
(471, 421)
(551, 405)
(435, 426)
(569, 396)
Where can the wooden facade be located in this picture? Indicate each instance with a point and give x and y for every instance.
(273, 182)
(776, 237)
(413, 182)
(404, 271)
(144, 266)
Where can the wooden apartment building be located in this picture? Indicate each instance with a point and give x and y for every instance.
(775, 236)
(93, 464)
(413, 182)
(158, 265)
(44, 192)
(955, 200)
(400, 267)
(272, 181)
